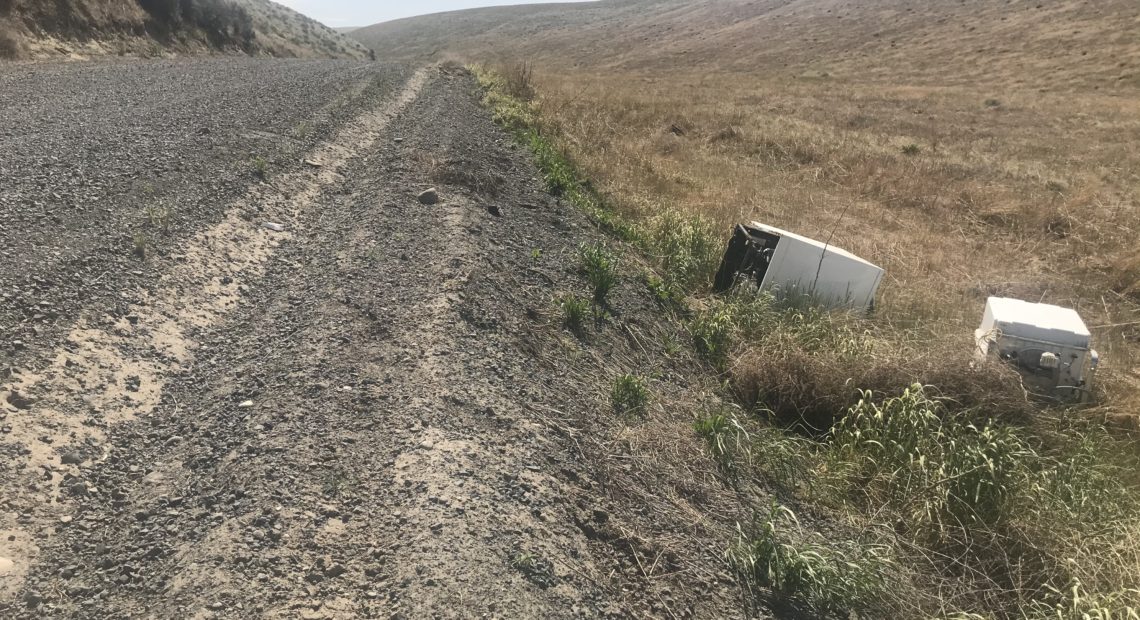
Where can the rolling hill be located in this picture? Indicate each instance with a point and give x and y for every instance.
(35, 29)
(1068, 44)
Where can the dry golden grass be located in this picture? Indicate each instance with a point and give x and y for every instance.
(1025, 480)
(1011, 193)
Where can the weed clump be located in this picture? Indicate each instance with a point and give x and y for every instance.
(574, 312)
(600, 267)
(140, 243)
(260, 167)
(523, 560)
(726, 322)
(727, 441)
(713, 333)
(159, 218)
(629, 395)
(831, 577)
(687, 250)
(664, 294)
(519, 81)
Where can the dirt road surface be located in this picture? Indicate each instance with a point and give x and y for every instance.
(371, 412)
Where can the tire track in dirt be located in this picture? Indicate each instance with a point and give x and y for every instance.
(467, 476)
(402, 450)
(110, 372)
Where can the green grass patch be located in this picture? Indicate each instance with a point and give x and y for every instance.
(948, 476)
(574, 310)
(726, 321)
(687, 250)
(629, 395)
(965, 498)
(600, 266)
(834, 577)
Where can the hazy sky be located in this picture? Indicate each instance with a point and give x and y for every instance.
(337, 13)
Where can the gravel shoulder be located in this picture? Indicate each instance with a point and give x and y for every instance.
(373, 412)
(97, 155)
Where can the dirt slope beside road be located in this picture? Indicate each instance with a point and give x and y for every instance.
(93, 28)
(373, 413)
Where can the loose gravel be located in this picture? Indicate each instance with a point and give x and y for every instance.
(99, 158)
(373, 411)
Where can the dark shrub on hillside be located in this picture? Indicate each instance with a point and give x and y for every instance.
(164, 12)
(223, 23)
(9, 43)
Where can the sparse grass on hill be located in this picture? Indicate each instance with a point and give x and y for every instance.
(223, 23)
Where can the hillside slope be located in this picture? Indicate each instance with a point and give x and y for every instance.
(1065, 44)
(281, 31)
(34, 29)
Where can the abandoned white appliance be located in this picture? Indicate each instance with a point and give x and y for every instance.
(788, 264)
(1049, 345)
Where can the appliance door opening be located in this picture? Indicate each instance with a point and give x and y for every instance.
(748, 255)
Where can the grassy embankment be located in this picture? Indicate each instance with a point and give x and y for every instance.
(949, 493)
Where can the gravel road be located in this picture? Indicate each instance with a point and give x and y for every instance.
(93, 154)
(371, 412)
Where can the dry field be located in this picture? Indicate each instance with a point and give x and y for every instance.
(970, 148)
(959, 193)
